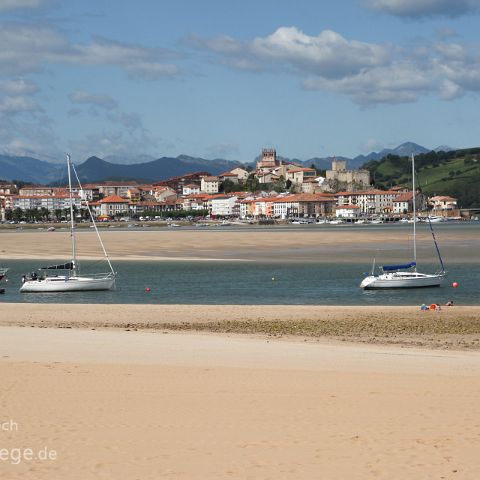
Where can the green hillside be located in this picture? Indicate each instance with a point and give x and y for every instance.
(455, 173)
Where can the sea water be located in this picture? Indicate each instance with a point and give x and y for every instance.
(248, 283)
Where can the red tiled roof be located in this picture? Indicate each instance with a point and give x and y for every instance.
(109, 183)
(443, 199)
(373, 191)
(113, 199)
(404, 197)
(198, 196)
(301, 169)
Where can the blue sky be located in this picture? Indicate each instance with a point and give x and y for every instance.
(224, 79)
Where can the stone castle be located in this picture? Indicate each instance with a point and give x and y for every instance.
(340, 177)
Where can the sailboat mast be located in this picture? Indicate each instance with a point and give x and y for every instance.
(92, 218)
(414, 213)
(72, 222)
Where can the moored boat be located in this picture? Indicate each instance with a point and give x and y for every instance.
(70, 279)
(406, 275)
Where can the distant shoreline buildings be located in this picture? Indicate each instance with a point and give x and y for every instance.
(275, 189)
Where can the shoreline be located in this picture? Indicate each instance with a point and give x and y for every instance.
(456, 328)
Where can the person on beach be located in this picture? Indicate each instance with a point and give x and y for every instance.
(449, 303)
(423, 308)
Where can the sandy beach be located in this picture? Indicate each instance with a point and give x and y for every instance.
(318, 244)
(143, 405)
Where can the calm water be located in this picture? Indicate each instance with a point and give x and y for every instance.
(223, 282)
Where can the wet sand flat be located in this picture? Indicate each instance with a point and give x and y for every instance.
(318, 244)
(455, 327)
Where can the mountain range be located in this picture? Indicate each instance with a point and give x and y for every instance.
(94, 169)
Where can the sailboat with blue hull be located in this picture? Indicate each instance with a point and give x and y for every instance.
(406, 275)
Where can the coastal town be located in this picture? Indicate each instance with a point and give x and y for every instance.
(274, 190)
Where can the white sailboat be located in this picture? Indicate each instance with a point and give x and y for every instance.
(406, 275)
(70, 280)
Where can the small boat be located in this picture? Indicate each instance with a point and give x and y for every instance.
(406, 275)
(336, 222)
(70, 278)
(435, 219)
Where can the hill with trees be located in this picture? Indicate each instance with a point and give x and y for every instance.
(455, 173)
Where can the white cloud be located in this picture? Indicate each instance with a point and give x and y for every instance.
(424, 8)
(398, 83)
(103, 101)
(30, 136)
(10, 5)
(328, 54)
(29, 48)
(367, 73)
(18, 86)
(18, 104)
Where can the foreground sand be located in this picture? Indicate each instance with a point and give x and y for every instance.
(144, 405)
(318, 244)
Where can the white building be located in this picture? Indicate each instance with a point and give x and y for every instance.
(209, 185)
(241, 173)
(190, 189)
(370, 201)
(223, 206)
(113, 205)
(228, 176)
(116, 188)
(162, 194)
(347, 211)
(403, 203)
(443, 203)
(300, 174)
(51, 203)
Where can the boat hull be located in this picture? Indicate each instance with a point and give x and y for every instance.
(396, 280)
(68, 284)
